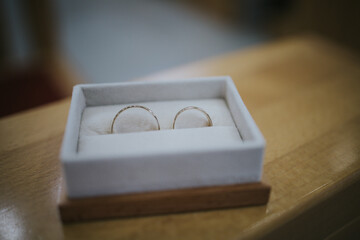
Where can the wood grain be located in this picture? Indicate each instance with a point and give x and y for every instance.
(304, 95)
(160, 202)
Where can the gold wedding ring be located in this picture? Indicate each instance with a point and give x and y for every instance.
(210, 123)
(134, 106)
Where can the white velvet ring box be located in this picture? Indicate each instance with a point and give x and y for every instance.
(98, 163)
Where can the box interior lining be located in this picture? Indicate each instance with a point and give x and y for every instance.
(95, 136)
(176, 95)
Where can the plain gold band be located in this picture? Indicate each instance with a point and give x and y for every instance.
(134, 106)
(210, 123)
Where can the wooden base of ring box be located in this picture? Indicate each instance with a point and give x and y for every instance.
(163, 202)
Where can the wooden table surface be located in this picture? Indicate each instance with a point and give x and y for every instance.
(304, 94)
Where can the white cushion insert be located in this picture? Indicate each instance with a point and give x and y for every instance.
(95, 137)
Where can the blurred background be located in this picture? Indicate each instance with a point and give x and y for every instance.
(47, 46)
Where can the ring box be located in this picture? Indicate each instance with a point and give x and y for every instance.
(112, 173)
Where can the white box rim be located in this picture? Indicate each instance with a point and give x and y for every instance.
(69, 154)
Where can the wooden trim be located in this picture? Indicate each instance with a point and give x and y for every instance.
(171, 201)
